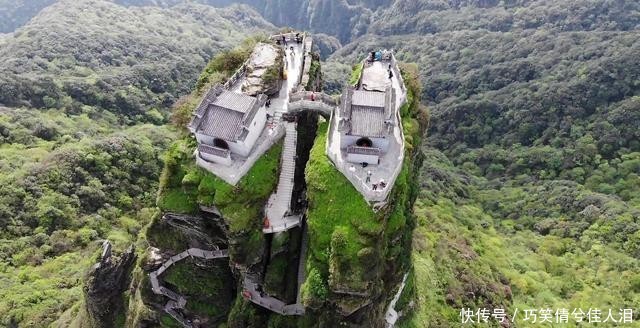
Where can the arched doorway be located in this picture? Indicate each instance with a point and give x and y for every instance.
(220, 143)
(364, 142)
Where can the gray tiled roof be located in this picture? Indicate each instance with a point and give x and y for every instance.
(235, 101)
(221, 123)
(368, 98)
(224, 114)
(367, 121)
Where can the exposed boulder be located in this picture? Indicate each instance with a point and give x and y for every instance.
(264, 70)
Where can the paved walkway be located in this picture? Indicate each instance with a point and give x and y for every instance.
(176, 301)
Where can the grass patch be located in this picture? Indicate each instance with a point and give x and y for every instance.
(184, 186)
(336, 210)
(191, 280)
(356, 73)
(176, 200)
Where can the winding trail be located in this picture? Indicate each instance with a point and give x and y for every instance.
(252, 291)
(176, 301)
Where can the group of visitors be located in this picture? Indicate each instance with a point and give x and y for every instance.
(375, 186)
(283, 39)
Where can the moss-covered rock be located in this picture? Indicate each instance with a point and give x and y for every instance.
(355, 254)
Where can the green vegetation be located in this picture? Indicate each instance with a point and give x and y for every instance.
(274, 73)
(315, 73)
(51, 63)
(208, 295)
(336, 216)
(68, 181)
(529, 191)
(356, 73)
(345, 249)
(469, 240)
(80, 171)
(184, 186)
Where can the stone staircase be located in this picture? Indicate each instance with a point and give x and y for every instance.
(278, 209)
(251, 293)
(177, 301)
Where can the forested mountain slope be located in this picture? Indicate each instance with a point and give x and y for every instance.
(81, 167)
(124, 60)
(532, 174)
(15, 13)
(531, 177)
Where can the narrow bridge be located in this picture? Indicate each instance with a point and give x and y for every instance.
(312, 101)
(177, 301)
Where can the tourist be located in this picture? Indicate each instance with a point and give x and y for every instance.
(284, 40)
(382, 184)
(390, 74)
(375, 186)
(368, 176)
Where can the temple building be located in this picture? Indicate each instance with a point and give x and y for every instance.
(228, 124)
(366, 124)
(365, 140)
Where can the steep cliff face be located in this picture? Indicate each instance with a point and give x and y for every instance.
(340, 18)
(104, 287)
(355, 256)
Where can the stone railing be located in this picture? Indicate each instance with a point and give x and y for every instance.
(396, 71)
(363, 150)
(213, 150)
(239, 74)
(313, 96)
(307, 59)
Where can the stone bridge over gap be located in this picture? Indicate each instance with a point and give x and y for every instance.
(318, 102)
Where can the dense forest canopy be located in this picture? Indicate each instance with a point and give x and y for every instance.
(124, 60)
(78, 166)
(532, 171)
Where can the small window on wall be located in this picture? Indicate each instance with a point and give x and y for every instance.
(364, 142)
(220, 143)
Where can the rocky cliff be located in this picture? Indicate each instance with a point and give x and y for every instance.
(355, 256)
(264, 70)
(104, 287)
